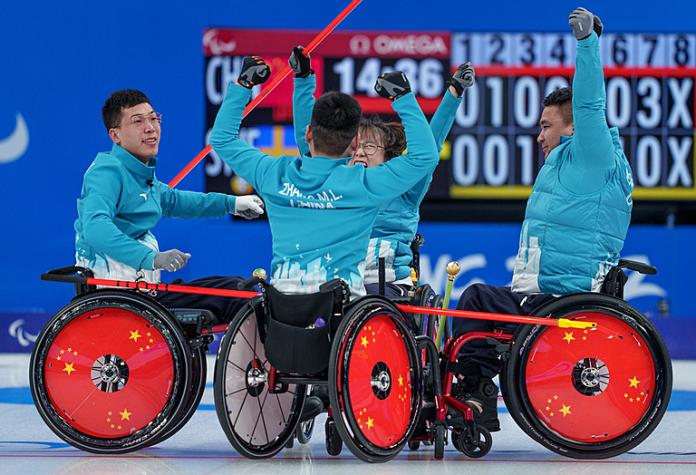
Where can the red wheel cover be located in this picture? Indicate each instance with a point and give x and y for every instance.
(590, 385)
(77, 355)
(382, 410)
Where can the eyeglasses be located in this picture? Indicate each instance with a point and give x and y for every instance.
(369, 148)
(138, 120)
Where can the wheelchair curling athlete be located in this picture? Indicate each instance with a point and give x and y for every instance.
(378, 142)
(576, 219)
(320, 209)
(122, 201)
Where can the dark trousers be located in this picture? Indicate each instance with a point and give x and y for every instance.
(224, 308)
(487, 298)
(391, 290)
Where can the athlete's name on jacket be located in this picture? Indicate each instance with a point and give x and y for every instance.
(322, 199)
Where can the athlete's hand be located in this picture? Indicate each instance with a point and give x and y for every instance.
(463, 77)
(392, 85)
(299, 62)
(248, 206)
(254, 71)
(583, 22)
(171, 260)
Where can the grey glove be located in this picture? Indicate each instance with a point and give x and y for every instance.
(583, 22)
(463, 77)
(171, 260)
(300, 63)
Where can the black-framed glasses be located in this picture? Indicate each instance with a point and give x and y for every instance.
(369, 148)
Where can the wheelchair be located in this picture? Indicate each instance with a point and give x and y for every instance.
(363, 351)
(114, 371)
(586, 394)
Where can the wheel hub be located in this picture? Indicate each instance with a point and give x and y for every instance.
(109, 373)
(590, 376)
(381, 380)
(256, 377)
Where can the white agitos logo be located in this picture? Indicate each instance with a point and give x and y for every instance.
(14, 146)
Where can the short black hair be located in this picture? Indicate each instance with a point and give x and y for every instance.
(335, 120)
(119, 100)
(563, 98)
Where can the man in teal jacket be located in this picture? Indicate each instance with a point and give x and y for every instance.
(320, 209)
(577, 214)
(122, 201)
(397, 222)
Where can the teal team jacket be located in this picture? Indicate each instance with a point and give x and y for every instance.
(122, 201)
(579, 210)
(397, 221)
(321, 211)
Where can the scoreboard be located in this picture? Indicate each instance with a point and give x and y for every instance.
(491, 152)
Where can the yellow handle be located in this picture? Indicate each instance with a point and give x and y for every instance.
(565, 323)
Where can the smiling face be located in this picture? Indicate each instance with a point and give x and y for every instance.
(138, 131)
(553, 125)
(370, 149)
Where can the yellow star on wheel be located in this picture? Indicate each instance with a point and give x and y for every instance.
(370, 422)
(134, 336)
(568, 337)
(125, 415)
(633, 382)
(68, 368)
(363, 342)
(565, 410)
(401, 380)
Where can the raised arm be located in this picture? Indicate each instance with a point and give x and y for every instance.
(242, 158)
(97, 210)
(592, 146)
(441, 124)
(305, 84)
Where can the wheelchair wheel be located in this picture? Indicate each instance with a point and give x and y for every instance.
(424, 297)
(374, 380)
(593, 393)
(257, 423)
(199, 368)
(110, 371)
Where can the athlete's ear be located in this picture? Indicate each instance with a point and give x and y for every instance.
(114, 136)
(308, 134)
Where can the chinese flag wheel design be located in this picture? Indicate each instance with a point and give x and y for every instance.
(377, 383)
(595, 391)
(108, 371)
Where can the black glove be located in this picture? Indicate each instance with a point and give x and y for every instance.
(299, 62)
(254, 71)
(463, 77)
(392, 85)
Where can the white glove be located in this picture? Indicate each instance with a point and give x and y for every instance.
(171, 260)
(248, 206)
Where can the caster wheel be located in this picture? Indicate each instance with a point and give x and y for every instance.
(440, 441)
(304, 430)
(473, 447)
(413, 445)
(290, 443)
(334, 444)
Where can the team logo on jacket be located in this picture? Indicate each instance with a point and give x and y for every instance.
(144, 196)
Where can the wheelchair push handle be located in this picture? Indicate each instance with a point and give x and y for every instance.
(640, 267)
(71, 274)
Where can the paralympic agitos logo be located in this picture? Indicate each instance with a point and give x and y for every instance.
(13, 146)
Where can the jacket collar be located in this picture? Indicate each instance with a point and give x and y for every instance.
(321, 165)
(134, 165)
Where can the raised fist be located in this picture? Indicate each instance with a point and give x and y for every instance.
(254, 71)
(392, 85)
